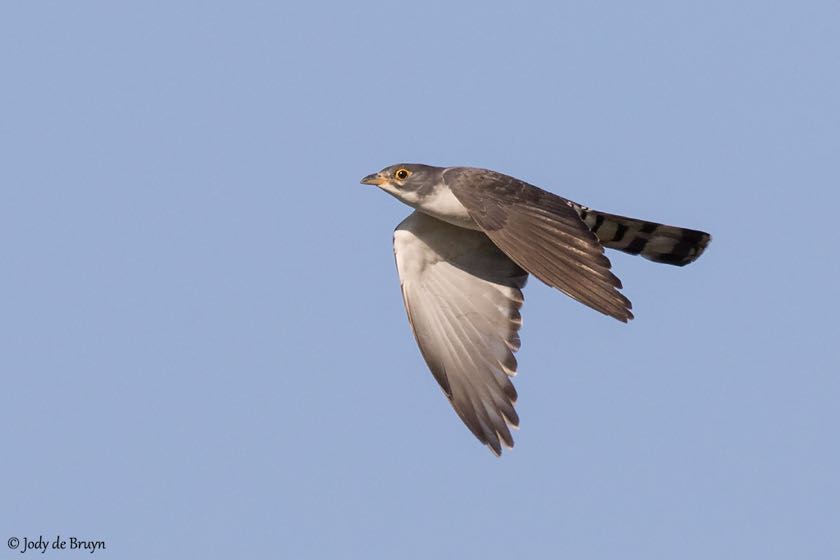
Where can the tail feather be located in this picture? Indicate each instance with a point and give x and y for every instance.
(657, 242)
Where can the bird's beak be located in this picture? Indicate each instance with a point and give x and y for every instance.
(374, 179)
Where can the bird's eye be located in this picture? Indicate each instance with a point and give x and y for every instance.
(402, 173)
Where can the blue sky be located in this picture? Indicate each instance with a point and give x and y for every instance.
(203, 348)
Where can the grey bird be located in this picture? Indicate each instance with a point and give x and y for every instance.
(463, 257)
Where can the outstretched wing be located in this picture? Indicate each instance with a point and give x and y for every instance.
(462, 296)
(542, 233)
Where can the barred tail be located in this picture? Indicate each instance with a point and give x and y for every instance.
(656, 242)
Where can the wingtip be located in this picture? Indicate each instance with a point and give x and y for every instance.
(497, 451)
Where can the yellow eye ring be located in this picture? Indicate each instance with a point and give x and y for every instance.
(402, 173)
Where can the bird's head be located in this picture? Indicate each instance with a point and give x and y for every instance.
(406, 181)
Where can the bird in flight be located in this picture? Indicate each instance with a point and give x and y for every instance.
(463, 257)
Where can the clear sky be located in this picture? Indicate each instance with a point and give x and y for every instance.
(203, 349)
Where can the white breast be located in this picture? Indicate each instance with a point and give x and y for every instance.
(440, 204)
